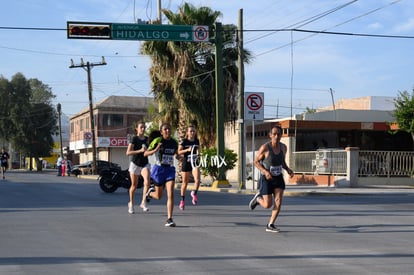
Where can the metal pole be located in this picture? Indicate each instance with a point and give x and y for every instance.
(159, 12)
(242, 151)
(253, 152)
(219, 99)
(59, 110)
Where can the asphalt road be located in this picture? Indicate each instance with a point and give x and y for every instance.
(61, 225)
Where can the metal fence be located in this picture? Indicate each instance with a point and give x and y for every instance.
(326, 161)
(386, 163)
(370, 163)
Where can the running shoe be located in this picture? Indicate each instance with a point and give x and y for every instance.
(130, 208)
(147, 195)
(253, 203)
(182, 205)
(194, 196)
(272, 228)
(144, 207)
(170, 223)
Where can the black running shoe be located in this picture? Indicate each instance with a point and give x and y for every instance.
(170, 223)
(253, 203)
(272, 228)
(147, 195)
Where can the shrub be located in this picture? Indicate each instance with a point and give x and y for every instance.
(208, 162)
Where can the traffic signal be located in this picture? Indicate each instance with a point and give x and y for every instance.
(87, 30)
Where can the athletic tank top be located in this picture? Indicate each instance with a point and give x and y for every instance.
(273, 162)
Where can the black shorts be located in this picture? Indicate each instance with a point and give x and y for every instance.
(268, 186)
(186, 167)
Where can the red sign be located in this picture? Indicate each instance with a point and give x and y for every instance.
(201, 33)
(254, 102)
(118, 142)
(87, 136)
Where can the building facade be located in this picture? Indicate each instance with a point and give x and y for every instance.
(365, 123)
(114, 118)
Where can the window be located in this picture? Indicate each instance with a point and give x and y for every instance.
(113, 120)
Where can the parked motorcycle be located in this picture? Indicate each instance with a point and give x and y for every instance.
(111, 179)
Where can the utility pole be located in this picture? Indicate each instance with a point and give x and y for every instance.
(59, 110)
(242, 154)
(221, 179)
(87, 67)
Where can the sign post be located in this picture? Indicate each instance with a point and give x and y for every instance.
(254, 110)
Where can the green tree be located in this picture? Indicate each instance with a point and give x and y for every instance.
(5, 121)
(310, 110)
(404, 111)
(183, 75)
(32, 117)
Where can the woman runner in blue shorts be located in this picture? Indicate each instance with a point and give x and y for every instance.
(163, 171)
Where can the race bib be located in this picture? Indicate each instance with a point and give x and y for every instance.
(167, 160)
(276, 170)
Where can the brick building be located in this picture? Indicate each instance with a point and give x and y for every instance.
(113, 117)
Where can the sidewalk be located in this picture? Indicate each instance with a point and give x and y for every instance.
(298, 190)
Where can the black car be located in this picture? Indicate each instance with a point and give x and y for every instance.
(87, 167)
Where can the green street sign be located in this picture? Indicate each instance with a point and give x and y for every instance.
(146, 32)
(159, 32)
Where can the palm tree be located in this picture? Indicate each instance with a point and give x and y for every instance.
(183, 78)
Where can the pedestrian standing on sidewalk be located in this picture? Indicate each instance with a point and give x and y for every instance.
(63, 173)
(4, 162)
(270, 160)
(59, 165)
(189, 149)
(163, 172)
(139, 166)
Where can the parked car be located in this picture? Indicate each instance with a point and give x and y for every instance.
(100, 165)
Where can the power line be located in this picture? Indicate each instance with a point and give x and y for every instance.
(308, 20)
(333, 33)
(245, 30)
(339, 33)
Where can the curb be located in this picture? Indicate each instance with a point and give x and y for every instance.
(292, 191)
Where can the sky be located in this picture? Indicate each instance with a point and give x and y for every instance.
(295, 70)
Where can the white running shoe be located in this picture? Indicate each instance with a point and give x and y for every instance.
(130, 208)
(144, 207)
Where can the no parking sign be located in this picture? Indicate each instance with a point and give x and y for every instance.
(253, 107)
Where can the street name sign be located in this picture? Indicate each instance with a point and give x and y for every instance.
(159, 32)
(142, 32)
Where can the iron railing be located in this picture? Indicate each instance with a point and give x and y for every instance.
(324, 161)
(386, 163)
(370, 163)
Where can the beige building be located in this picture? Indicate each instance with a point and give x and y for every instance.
(364, 123)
